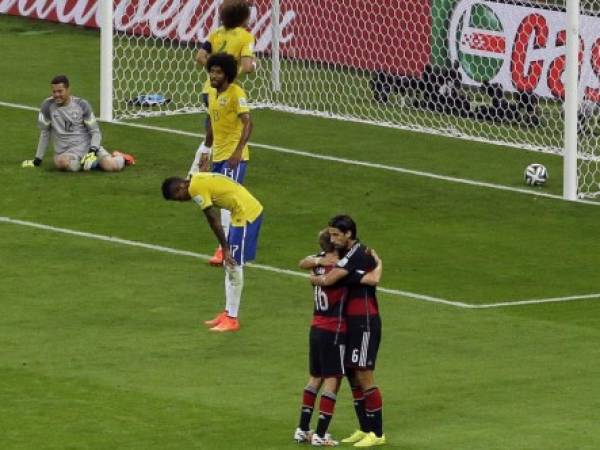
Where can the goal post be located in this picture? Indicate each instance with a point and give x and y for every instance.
(523, 73)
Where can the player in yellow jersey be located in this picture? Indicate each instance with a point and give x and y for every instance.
(231, 127)
(212, 191)
(231, 38)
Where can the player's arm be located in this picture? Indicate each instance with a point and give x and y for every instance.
(236, 156)
(213, 216)
(373, 277)
(44, 123)
(203, 53)
(248, 64)
(330, 278)
(247, 59)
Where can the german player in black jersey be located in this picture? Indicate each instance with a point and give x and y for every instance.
(326, 345)
(363, 326)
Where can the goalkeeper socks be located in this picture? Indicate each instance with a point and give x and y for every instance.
(326, 407)
(119, 162)
(308, 404)
(234, 283)
(373, 408)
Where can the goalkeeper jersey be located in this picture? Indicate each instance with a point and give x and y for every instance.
(73, 127)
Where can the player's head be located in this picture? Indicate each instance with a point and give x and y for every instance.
(342, 231)
(222, 68)
(175, 188)
(325, 241)
(60, 89)
(234, 13)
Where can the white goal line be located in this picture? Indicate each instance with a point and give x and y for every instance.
(396, 292)
(353, 162)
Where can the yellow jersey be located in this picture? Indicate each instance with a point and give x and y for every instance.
(237, 42)
(224, 110)
(208, 189)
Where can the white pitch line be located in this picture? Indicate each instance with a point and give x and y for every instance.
(412, 295)
(352, 162)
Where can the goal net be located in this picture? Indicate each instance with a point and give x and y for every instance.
(492, 71)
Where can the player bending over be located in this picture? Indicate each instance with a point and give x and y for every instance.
(212, 191)
(75, 132)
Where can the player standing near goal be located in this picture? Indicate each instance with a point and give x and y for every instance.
(212, 191)
(75, 133)
(231, 38)
(364, 329)
(326, 343)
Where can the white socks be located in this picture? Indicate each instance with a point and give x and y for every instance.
(234, 283)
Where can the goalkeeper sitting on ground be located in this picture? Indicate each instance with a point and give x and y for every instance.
(75, 133)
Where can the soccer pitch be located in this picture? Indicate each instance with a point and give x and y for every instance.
(489, 296)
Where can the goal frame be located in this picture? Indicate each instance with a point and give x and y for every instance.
(572, 96)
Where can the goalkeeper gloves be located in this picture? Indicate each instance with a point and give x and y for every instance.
(31, 163)
(90, 160)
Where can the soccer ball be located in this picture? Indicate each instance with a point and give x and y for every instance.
(536, 174)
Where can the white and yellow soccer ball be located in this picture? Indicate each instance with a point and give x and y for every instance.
(536, 174)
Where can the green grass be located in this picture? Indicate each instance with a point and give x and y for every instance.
(102, 344)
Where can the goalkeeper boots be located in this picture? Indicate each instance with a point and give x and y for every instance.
(129, 159)
(227, 324)
(217, 259)
(217, 320)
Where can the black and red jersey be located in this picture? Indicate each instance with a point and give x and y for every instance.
(361, 300)
(329, 304)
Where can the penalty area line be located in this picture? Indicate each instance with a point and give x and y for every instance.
(352, 162)
(395, 292)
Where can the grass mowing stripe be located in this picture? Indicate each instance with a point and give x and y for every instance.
(344, 161)
(396, 292)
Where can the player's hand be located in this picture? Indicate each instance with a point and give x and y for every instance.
(31, 163)
(234, 160)
(88, 162)
(228, 259)
(204, 164)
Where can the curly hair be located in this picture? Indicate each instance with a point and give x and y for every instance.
(234, 13)
(226, 62)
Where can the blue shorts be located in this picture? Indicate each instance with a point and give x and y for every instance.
(236, 174)
(243, 240)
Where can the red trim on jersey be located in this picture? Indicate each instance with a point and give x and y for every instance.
(329, 323)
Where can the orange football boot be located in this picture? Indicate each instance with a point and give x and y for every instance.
(217, 259)
(217, 320)
(228, 324)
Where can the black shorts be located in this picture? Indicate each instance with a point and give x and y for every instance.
(326, 354)
(362, 342)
